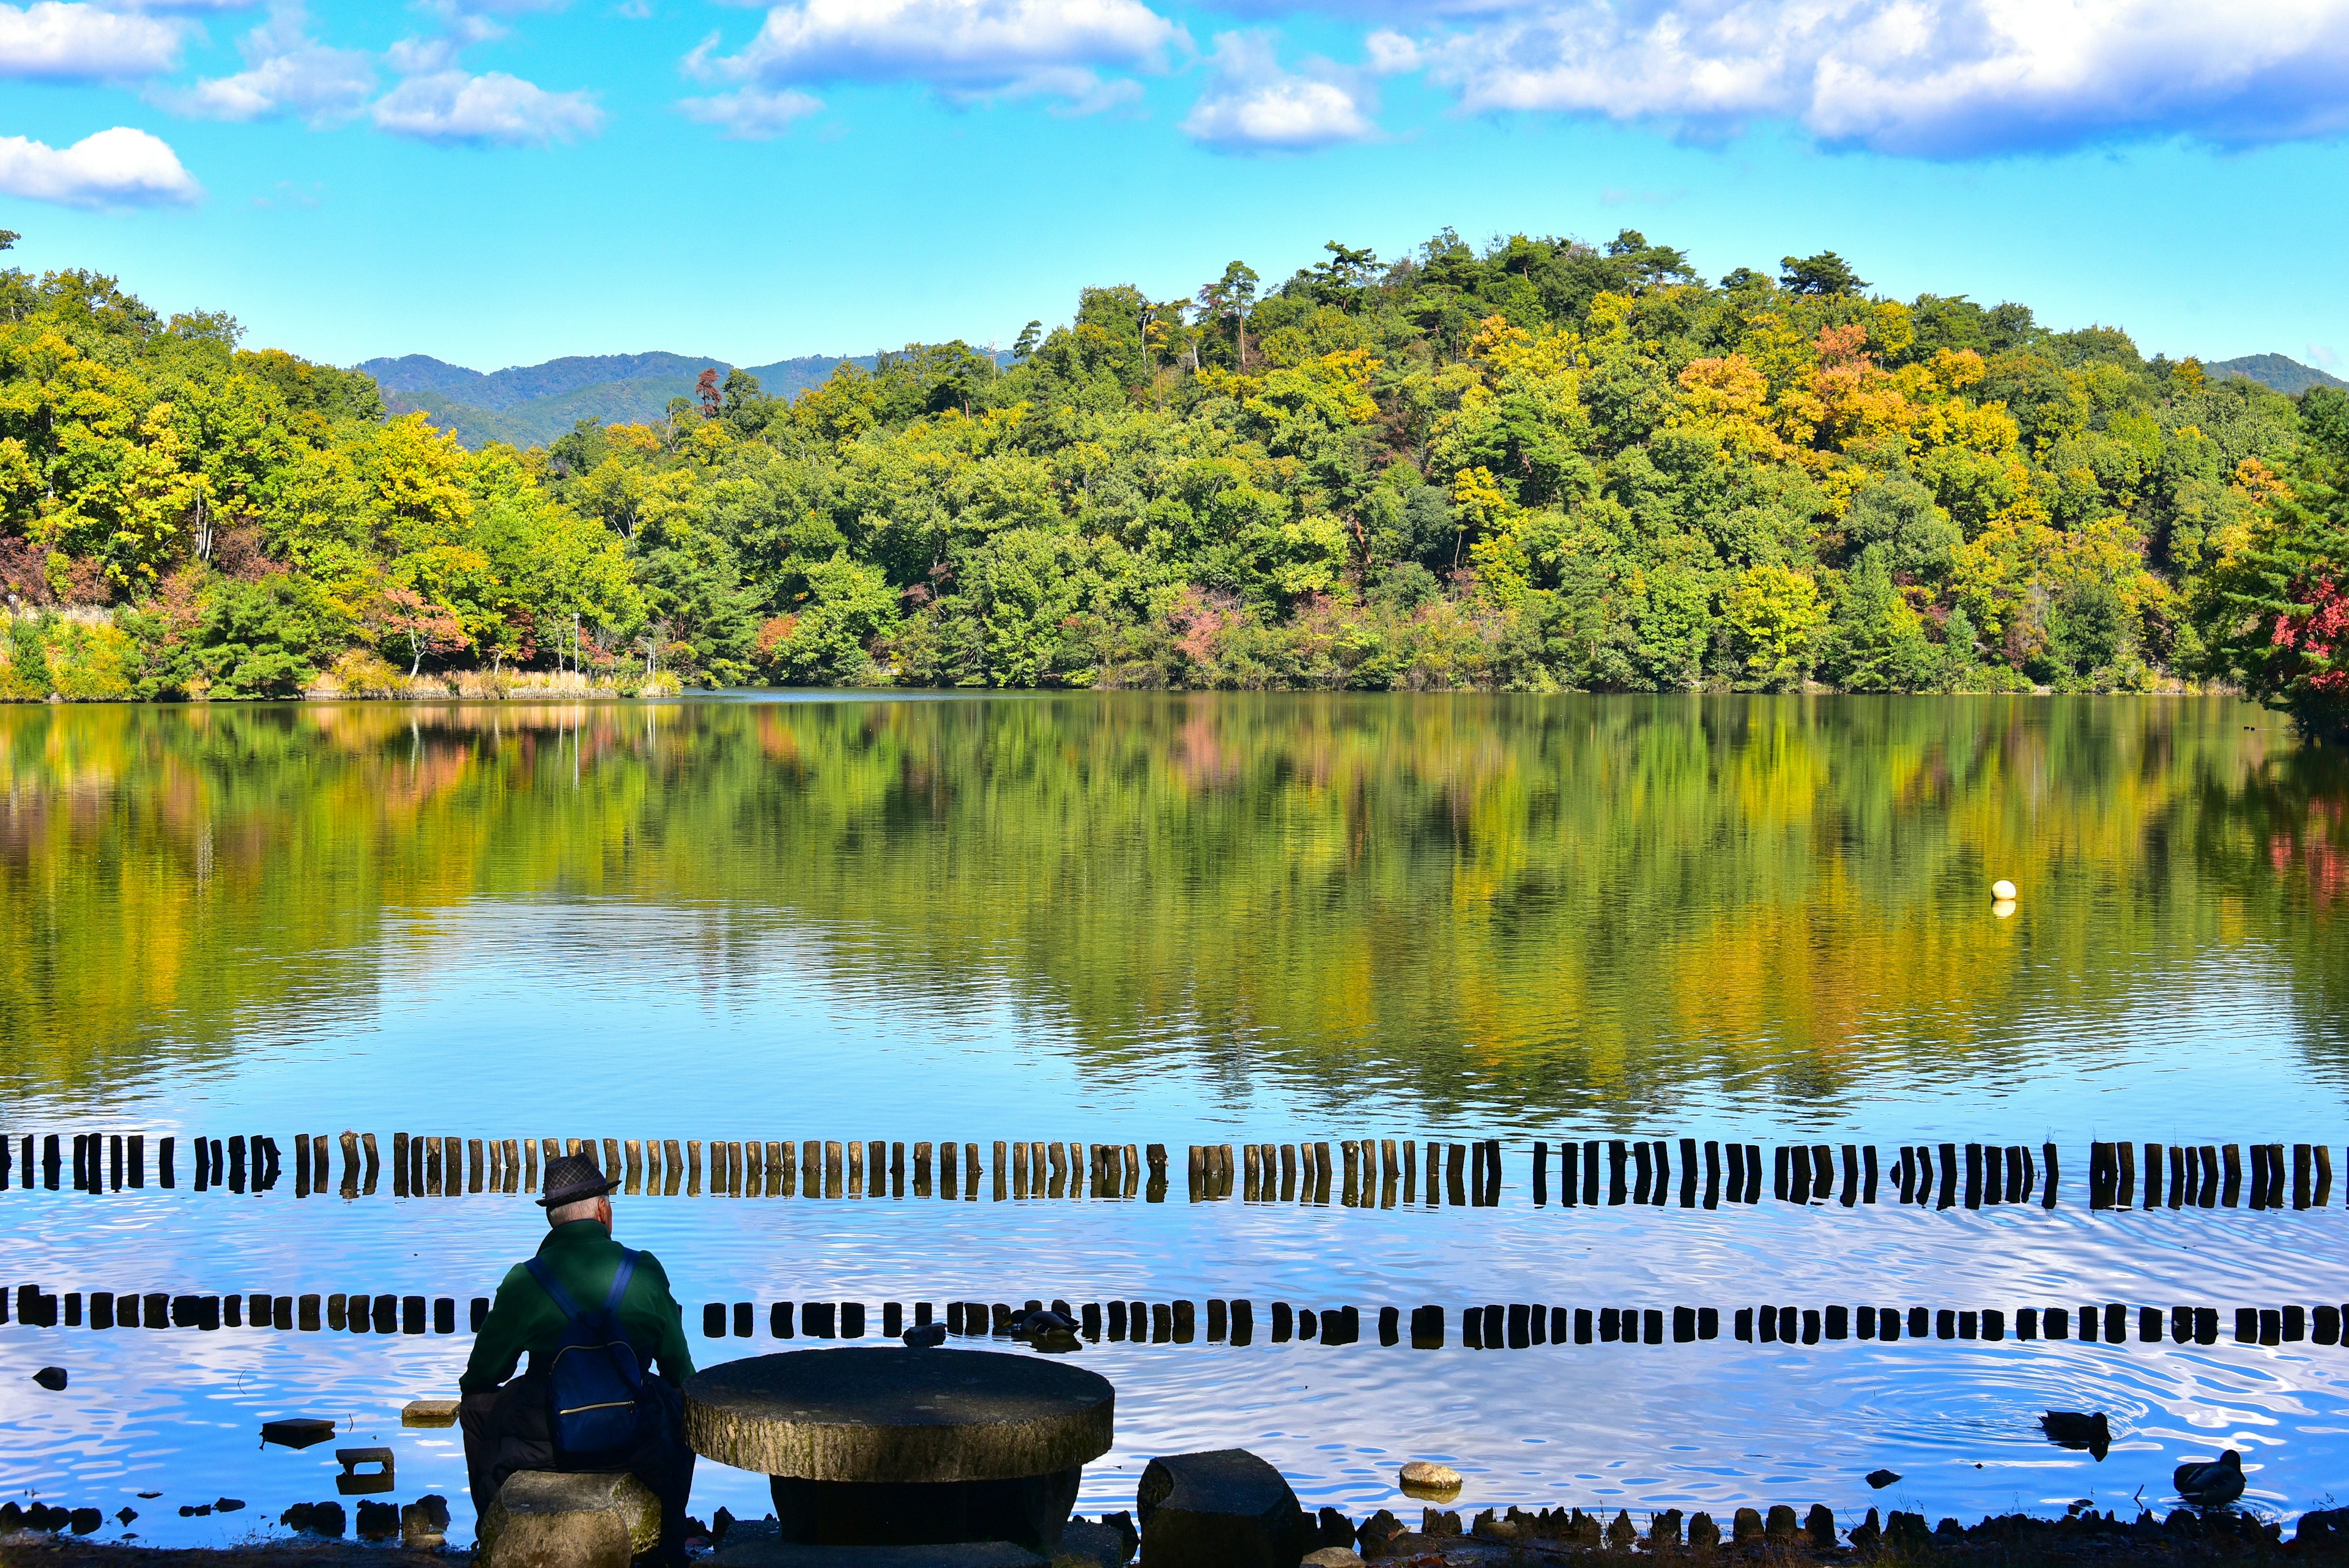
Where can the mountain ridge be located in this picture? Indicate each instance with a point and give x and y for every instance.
(2277, 372)
(530, 405)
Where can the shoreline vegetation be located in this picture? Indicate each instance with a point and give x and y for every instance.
(1536, 465)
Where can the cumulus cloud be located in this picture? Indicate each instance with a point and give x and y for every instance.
(752, 113)
(965, 49)
(66, 40)
(454, 106)
(285, 73)
(116, 168)
(1928, 77)
(1253, 105)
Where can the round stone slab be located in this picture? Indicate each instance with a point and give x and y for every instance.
(898, 1415)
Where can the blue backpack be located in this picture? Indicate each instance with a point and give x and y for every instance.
(595, 1381)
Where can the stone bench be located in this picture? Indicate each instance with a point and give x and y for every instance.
(547, 1519)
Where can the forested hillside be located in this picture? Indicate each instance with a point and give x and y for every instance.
(1541, 464)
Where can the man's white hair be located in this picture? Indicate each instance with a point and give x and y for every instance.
(583, 1210)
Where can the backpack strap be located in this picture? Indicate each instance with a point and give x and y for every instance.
(555, 1292)
(620, 1278)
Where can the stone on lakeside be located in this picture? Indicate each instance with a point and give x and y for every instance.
(428, 1413)
(1491, 1526)
(1332, 1528)
(424, 1523)
(1703, 1534)
(2325, 1529)
(1222, 1509)
(1378, 1529)
(1122, 1523)
(545, 1518)
(229, 1505)
(1084, 1544)
(1905, 1530)
(1664, 1529)
(876, 1415)
(314, 1519)
(1425, 1477)
(1867, 1532)
(1781, 1526)
(1331, 1557)
(1622, 1532)
(1820, 1525)
(1438, 1522)
(84, 1520)
(1745, 1526)
(760, 1544)
(379, 1520)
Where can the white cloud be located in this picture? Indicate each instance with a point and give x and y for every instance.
(1253, 105)
(454, 106)
(1926, 77)
(965, 49)
(77, 42)
(116, 168)
(286, 72)
(752, 113)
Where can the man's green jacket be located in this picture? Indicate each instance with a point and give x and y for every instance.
(584, 1258)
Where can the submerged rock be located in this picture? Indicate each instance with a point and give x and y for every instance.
(1425, 1477)
(52, 1378)
(1879, 1480)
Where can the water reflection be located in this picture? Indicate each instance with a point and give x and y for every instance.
(1503, 906)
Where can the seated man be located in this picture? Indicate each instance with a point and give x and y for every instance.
(512, 1425)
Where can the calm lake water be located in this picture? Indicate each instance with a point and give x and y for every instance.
(1182, 920)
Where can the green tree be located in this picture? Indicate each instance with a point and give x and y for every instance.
(2278, 609)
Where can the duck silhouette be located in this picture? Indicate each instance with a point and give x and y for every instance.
(2211, 1484)
(2073, 1430)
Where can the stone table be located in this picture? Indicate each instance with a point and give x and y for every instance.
(894, 1447)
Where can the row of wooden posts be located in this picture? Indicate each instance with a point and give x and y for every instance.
(2208, 1175)
(1375, 1171)
(1515, 1326)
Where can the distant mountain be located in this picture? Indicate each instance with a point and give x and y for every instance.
(530, 405)
(2289, 377)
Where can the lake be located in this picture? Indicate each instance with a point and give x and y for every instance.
(1182, 920)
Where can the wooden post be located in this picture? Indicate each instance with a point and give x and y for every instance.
(970, 1171)
(921, 1169)
(693, 1167)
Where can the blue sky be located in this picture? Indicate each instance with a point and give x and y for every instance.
(499, 181)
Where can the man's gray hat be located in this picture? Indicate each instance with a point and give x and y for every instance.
(573, 1179)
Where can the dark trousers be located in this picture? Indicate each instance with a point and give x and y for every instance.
(506, 1430)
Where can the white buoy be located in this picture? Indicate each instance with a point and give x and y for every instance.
(2003, 889)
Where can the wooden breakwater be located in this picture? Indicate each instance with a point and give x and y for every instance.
(1490, 1325)
(1363, 1172)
